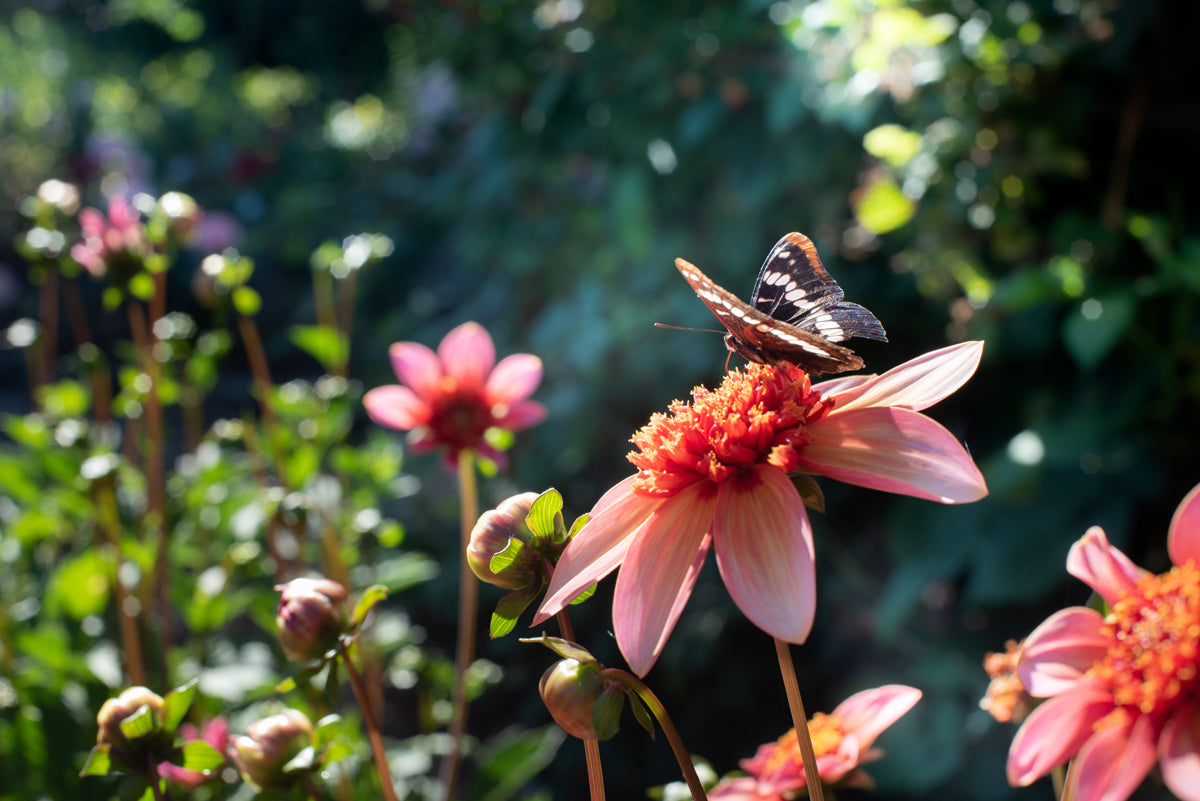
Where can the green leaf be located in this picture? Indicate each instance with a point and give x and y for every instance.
(583, 596)
(564, 648)
(335, 751)
(246, 301)
(577, 525)
(371, 596)
(81, 585)
(545, 515)
(640, 712)
(510, 607)
(327, 345)
(1096, 326)
(302, 761)
(99, 763)
(325, 729)
(176, 704)
(139, 724)
(507, 762)
(892, 144)
(810, 492)
(199, 755)
(65, 399)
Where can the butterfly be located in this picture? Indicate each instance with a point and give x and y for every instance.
(795, 315)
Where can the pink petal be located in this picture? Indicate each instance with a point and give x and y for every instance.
(867, 713)
(1059, 652)
(1114, 762)
(417, 367)
(521, 416)
(395, 406)
(1102, 567)
(599, 546)
(1179, 751)
(893, 450)
(1183, 537)
(121, 213)
(1054, 732)
(741, 788)
(764, 550)
(514, 378)
(467, 354)
(660, 569)
(914, 385)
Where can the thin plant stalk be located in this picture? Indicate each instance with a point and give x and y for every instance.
(591, 747)
(659, 712)
(153, 778)
(310, 788)
(812, 778)
(77, 317)
(468, 600)
(345, 317)
(48, 319)
(106, 513)
(373, 735)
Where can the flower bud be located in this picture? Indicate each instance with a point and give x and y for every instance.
(312, 614)
(117, 709)
(492, 534)
(268, 745)
(582, 703)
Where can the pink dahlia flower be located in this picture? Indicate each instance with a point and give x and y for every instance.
(842, 741)
(451, 398)
(116, 243)
(714, 473)
(1123, 688)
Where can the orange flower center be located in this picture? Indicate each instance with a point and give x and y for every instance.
(459, 417)
(826, 733)
(1154, 644)
(760, 415)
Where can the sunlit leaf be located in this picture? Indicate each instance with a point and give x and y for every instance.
(176, 704)
(199, 755)
(98, 762)
(328, 346)
(371, 596)
(882, 207)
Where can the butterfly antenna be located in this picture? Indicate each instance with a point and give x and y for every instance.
(681, 328)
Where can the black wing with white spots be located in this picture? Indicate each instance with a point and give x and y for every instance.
(798, 311)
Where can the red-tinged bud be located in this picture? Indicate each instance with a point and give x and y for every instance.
(117, 709)
(582, 703)
(493, 533)
(270, 744)
(312, 614)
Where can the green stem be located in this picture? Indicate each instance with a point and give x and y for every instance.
(373, 735)
(468, 601)
(799, 720)
(153, 777)
(664, 720)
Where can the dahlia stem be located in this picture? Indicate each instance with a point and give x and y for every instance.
(153, 778)
(468, 600)
(664, 720)
(591, 747)
(811, 778)
(48, 319)
(376, 739)
(105, 501)
(310, 788)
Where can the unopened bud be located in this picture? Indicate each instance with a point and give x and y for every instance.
(493, 533)
(124, 705)
(312, 614)
(270, 744)
(582, 702)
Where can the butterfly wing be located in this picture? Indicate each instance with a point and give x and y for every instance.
(758, 337)
(793, 286)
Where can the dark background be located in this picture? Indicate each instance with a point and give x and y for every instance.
(539, 166)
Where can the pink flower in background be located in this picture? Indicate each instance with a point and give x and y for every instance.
(1123, 687)
(216, 734)
(714, 473)
(842, 741)
(116, 243)
(451, 398)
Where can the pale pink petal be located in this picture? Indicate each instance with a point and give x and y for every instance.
(867, 713)
(914, 385)
(1059, 652)
(764, 550)
(417, 367)
(660, 569)
(599, 546)
(893, 450)
(1183, 537)
(1179, 751)
(741, 788)
(121, 213)
(1102, 567)
(832, 767)
(91, 222)
(514, 378)
(521, 416)
(395, 406)
(843, 385)
(1115, 761)
(467, 355)
(1054, 732)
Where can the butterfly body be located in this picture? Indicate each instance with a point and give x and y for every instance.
(796, 312)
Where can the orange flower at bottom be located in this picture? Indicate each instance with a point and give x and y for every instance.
(842, 741)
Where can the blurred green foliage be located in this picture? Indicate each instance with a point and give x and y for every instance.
(1011, 171)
